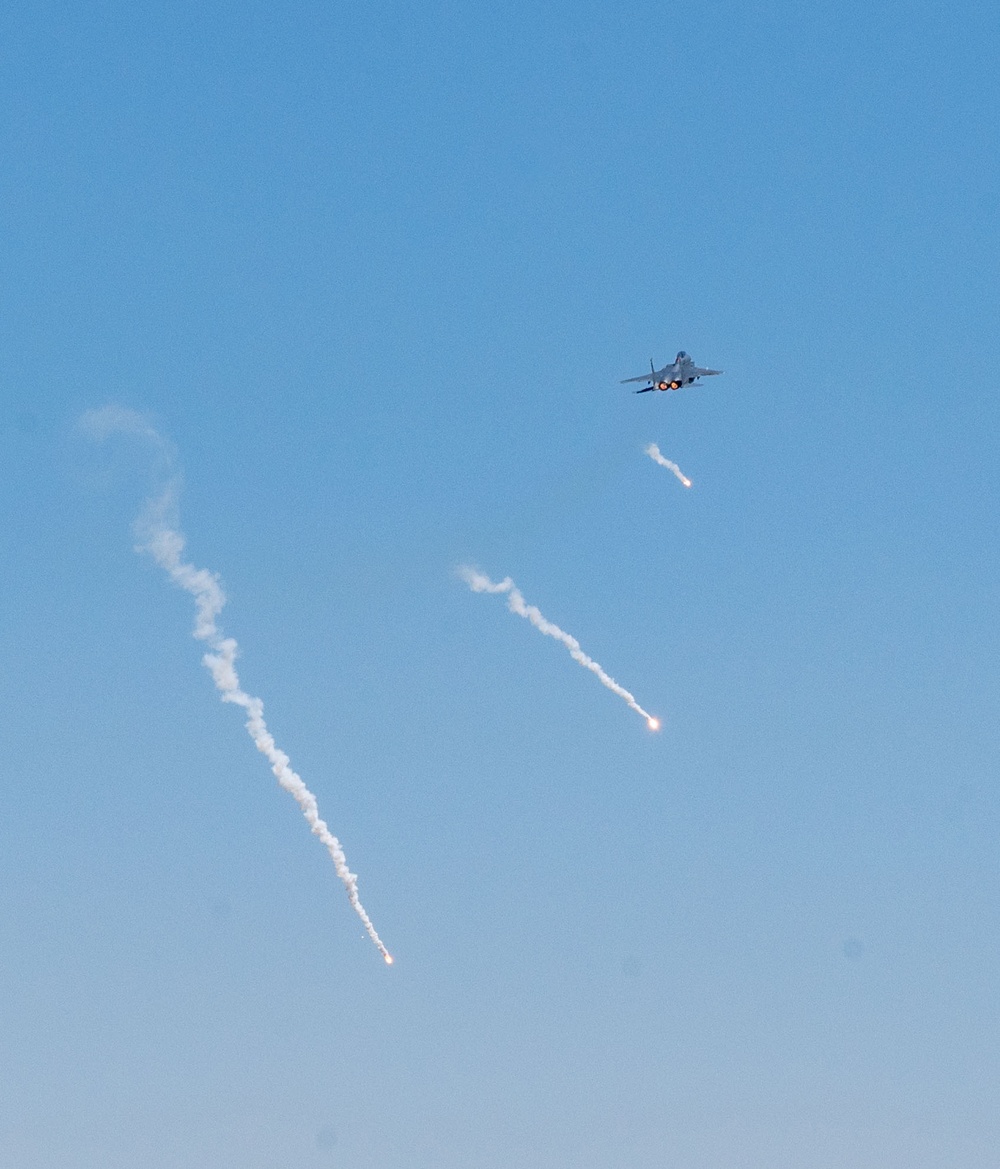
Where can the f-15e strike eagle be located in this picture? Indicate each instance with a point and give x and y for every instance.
(683, 372)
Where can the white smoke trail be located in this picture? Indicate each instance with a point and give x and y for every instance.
(157, 533)
(654, 453)
(480, 583)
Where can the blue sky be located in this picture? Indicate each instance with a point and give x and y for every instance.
(377, 274)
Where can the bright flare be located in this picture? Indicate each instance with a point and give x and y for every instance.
(654, 724)
(654, 453)
(158, 535)
(479, 583)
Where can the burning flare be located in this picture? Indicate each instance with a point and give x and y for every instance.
(654, 453)
(157, 534)
(479, 583)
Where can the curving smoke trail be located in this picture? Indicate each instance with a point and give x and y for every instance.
(654, 453)
(156, 530)
(480, 583)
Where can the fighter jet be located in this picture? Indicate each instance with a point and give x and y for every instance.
(683, 372)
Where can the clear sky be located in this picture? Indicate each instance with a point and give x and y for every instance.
(376, 270)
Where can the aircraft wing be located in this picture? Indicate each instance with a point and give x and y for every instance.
(646, 377)
(706, 372)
